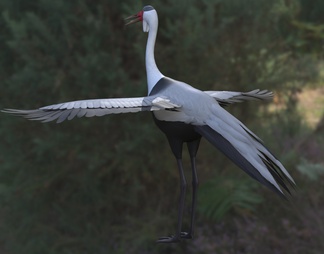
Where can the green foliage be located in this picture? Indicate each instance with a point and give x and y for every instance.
(313, 171)
(222, 195)
(107, 185)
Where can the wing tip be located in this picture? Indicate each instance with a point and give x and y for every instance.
(276, 182)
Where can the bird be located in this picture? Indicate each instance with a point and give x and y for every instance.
(184, 114)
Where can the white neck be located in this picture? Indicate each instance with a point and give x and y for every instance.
(152, 71)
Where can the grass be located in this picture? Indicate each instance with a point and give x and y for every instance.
(288, 227)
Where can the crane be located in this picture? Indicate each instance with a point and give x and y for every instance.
(185, 115)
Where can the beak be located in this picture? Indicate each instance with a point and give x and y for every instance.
(134, 18)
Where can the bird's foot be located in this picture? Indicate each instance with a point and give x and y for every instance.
(169, 239)
(175, 239)
(186, 235)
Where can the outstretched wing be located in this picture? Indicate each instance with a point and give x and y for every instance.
(101, 107)
(97, 107)
(225, 98)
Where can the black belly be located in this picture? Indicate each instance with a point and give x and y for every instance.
(178, 130)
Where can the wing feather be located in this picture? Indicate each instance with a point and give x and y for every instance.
(73, 113)
(98, 107)
(226, 97)
(245, 149)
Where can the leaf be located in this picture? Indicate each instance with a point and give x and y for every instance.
(223, 195)
(311, 170)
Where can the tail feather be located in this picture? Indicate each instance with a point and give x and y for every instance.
(275, 177)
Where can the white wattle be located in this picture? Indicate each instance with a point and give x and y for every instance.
(146, 27)
(150, 24)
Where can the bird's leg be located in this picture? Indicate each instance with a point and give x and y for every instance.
(193, 148)
(176, 147)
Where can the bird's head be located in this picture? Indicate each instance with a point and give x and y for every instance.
(148, 16)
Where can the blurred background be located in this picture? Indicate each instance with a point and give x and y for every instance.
(110, 184)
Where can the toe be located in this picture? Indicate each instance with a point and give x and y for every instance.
(168, 239)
